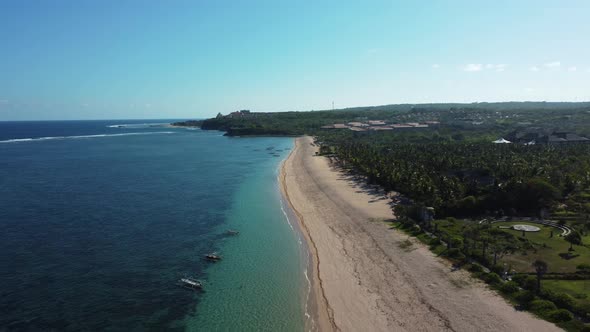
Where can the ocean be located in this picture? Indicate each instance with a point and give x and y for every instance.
(100, 219)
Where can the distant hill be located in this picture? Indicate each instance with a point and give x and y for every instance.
(508, 115)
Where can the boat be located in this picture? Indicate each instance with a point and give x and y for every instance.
(190, 283)
(232, 232)
(213, 257)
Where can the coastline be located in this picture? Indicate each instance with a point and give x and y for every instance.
(368, 277)
(321, 316)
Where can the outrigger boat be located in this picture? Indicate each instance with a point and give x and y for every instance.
(190, 283)
(213, 257)
(232, 232)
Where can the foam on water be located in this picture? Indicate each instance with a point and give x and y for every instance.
(137, 125)
(17, 140)
(303, 247)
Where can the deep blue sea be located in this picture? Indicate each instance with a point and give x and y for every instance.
(99, 219)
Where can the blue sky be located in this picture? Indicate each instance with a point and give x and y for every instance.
(83, 59)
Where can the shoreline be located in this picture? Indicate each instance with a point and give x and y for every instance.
(321, 315)
(373, 278)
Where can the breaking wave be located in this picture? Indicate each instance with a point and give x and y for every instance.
(138, 125)
(36, 139)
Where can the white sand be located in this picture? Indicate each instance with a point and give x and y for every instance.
(364, 280)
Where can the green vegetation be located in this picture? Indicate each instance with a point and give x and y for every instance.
(453, 181)
(540, 245)
(486, 118)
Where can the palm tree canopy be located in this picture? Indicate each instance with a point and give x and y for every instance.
(540, 266)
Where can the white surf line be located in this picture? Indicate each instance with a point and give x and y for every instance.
(36, 139)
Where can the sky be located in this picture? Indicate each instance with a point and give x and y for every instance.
(140, 59)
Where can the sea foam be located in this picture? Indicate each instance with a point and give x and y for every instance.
(137, 125)
(36, 139)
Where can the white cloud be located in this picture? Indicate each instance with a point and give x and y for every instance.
(473, 67)
(529, 90)
(572, 69)
(534, 68)
(435, 66)
(500, 67)
(490, 66)
(553, 65)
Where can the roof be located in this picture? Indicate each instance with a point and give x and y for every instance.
(358, 124)
(357, 129)
(335, 126)
(501, 141)
(376, 122)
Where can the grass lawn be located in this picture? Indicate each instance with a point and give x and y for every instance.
(552, 250)
(579, 289)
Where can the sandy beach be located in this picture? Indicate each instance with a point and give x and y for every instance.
(367, 277)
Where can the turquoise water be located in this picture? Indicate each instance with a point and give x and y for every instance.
(258, 285)
(99, 219)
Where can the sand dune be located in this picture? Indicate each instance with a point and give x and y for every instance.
(368, 277)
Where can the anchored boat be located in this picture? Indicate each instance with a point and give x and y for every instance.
(190, 283)
(213, 257)
(232, 232)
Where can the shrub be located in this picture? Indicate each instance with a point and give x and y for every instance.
(560, 315)
(456, 242)
(582, 309)
(456, 254)
(453, 252)
(524, 297)
(492, 278)
(499, 269)
(586, 328)
(562, 300)
(519, 279)
(475, 268)
(542, 307)
(530, 283)
(452, 220)
(509, 288)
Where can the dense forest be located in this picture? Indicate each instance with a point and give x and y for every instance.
(461, 178)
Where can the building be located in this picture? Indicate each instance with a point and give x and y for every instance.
(357, 124)
(376, 122)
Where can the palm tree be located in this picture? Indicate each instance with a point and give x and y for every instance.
(573, 238)
(540, 268)
(584, 269)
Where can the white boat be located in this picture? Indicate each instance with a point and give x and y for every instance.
(190, 283)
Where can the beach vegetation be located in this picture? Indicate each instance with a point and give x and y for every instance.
(509, 287)
(462, 195)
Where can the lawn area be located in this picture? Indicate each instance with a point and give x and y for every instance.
(552, 250)
(579, 289)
